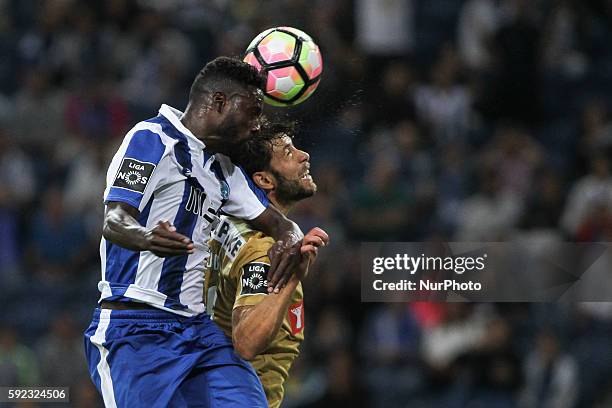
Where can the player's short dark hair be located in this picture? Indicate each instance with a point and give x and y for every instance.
(225, 74)
(256, 153)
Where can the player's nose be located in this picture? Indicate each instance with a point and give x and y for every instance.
(304, 156)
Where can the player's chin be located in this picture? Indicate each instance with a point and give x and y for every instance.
(308, 186)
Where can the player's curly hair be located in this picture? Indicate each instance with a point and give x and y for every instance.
(225, 74)
(256, 153)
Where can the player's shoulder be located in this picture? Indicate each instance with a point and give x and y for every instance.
(250, 269)
(255, 250)
(257, 246)
(227, 165)
(150, 133)
(226, 162)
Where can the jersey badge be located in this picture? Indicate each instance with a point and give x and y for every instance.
(255, 278)
(133, 175)
(296, 317)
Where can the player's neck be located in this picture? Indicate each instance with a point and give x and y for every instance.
(196, 124)
(284, 208)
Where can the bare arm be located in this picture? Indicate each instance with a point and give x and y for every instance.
(121, 227)
(254, 327)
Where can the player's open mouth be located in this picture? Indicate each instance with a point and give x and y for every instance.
(306, 175)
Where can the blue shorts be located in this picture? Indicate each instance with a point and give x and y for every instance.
(153, 358)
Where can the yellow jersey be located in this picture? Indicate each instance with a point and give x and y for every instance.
(236, 275)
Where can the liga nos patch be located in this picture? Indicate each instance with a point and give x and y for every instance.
(133, 175)
(255, 278)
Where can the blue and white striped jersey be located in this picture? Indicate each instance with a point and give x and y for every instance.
(162, 169)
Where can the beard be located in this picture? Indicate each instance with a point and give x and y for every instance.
(288, 190)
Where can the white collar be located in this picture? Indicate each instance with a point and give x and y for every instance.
(174, 116)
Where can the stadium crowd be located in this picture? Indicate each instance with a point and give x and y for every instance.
(476, 120)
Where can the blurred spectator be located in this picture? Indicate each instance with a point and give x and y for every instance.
(596, 134)
(513, 92)
(478, 22)
(306, 382)
(491, 213)
(165, 60)
(545, 202)
(391, 95)
(461, 331)
(561, 40)
(18, 364)
(516, 156)
(444, 105)
(57, 239)
(40, 44)
(390, 350)
(597, 225)
(551, 375)
(490, 375)
(332, 332)
(384, 28)
(95, 112)
(343, 384)
(37, 103)
(588, 197)
(8, 36)
(381, 207)
(85, 174)
(17, 189)
(62, 358)
(17, 173)
(391, 336)
(416, 162)
(453, 185)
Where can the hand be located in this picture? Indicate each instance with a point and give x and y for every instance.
(164, 241)
(315, 239)
(286, 258)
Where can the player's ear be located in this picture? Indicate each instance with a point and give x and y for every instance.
(218, 101)
(263, 180)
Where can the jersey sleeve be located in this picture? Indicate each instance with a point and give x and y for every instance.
(136, 169)
(250, 275)
(246, 200)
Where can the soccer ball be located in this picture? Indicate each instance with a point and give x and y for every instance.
(292, 62)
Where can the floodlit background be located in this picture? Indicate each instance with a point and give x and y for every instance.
(483, 120)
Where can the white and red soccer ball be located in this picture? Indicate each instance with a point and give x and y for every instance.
(292, 62)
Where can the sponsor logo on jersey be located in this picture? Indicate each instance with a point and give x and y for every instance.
(199, 205)
(296, 317)
(133, 175)
(255, 278)
(229, 237)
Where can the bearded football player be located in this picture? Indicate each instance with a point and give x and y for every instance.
(266, 328)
